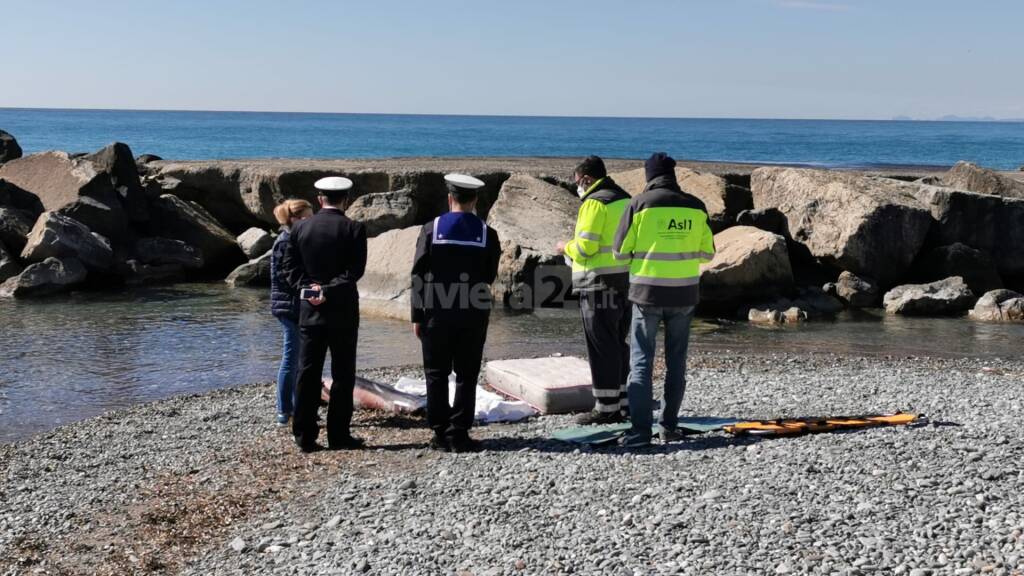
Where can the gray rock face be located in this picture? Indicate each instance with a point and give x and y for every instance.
(868, 225)
(999, 306)
(384, 287)
(968, 176)
(9, 148)
(985, 222)
(165, 251)
(945, 297)
(383, 211)
(768, 219)
(255, 242)
(724, 201)
(106, 218)
(15, 226)
(254, 273)
(50, 276)
(856, 291)
(14, 197)
(530, 217)
(749, 264)
(175, 218)
(976, 267)
(9, 265)
(60, 180)
(117, 162)
(57, 236)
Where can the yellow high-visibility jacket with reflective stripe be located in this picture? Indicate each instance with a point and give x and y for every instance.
(594, 266)
(664, 236)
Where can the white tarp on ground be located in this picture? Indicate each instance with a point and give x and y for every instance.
(490, 407)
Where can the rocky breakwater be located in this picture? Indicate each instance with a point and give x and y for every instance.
(63, 213)
(928, 247)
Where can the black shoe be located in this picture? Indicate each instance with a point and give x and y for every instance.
(308, 448)
(670, 435)
(440, 443)
(347, 443)
(599, 418)
(464, 444)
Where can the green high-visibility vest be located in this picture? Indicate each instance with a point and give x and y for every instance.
(593, 264)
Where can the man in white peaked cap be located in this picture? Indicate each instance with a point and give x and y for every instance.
(325, 259)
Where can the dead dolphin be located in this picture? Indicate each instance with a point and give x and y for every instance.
(377, 396)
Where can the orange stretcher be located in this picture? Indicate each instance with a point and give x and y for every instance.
(798, 426)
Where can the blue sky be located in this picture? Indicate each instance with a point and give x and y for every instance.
(726, 58)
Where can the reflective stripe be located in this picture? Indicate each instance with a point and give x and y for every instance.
(607, 407)
(621, 256)
(602, 393)
(590, 236)
(594, 273)
(675, 282)
(674, 256)
(605, 250)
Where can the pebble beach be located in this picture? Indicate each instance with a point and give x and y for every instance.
(208, 484)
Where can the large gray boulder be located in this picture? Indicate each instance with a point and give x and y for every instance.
(255, 242)
(168, 252)
(57, 236)
(254, 273)
(942, 298)
(988, 223)
(15, 226)
(175, 218)
(16, 198)
(383, 211)
(530, 217)
(73, 186)
(999, 306)
(50, 276)
(385, 286)
(974, 178)
(723, 201)
(117, 162)
(749, 264)
(9, 265)
(856, 291)
(868, 225)
(976, 267)
(106, 218)
(9, 148)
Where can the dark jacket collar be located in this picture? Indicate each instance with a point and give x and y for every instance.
(665, 182)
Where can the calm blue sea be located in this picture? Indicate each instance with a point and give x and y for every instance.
(200, 135)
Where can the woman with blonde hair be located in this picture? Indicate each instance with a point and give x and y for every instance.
(284, 305)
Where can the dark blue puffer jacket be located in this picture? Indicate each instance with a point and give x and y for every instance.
(284, 301)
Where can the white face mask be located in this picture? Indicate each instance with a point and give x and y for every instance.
(581, 191)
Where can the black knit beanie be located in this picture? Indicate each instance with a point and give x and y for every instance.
(659, 164)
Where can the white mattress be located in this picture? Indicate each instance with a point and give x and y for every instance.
(551, 385)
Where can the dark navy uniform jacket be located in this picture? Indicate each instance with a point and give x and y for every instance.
(456, 262)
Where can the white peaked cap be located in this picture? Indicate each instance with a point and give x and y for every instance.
(333, 184)
(463, 181)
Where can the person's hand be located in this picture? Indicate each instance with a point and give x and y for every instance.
(417, 330)
(321, 299)
(560, 247)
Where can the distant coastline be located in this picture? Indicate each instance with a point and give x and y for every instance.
(199, 135)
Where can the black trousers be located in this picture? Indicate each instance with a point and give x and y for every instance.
(606, 318)
(453, 342)
(338, 330)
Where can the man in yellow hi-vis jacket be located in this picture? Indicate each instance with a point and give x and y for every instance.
(601, 282)
(664, 237)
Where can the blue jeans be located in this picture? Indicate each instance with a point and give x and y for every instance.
(289, 367)
(643, 339)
